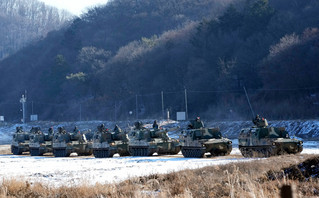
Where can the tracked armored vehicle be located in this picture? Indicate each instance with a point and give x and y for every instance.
(20, 141)
(41, 143)
(146, 142)
(65, 143)
(264, 141)
(197, 140)
(106, 143)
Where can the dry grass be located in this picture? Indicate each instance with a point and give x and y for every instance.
(5, 149)
(236, 180)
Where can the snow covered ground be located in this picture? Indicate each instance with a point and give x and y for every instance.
(89, 170)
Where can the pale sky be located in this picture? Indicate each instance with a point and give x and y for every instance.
(76, 7)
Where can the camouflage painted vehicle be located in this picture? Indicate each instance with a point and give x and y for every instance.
(146, 142)
(264, 141)
(65, 143)
(107, 143)
(41, 143)
(20, 141)
(196, 142)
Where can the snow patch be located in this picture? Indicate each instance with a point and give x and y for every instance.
(75, 171)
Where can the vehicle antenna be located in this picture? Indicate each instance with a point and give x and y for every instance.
(251, 109)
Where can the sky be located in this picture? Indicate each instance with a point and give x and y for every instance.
(76, 7)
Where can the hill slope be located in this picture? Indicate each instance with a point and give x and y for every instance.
(118, 58)
(26, 21)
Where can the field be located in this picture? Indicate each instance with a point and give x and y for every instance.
(169, 176)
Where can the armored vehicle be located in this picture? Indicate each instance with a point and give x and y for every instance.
(41, 143)
(264, 141)
(20, 141)
(65, 143)
(197, 140)
(106, 143)
(146, 142)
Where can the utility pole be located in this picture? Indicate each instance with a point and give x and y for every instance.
(114, 110)
(23, 100)
(163, 113)
(136, 106)
(80, 112)
(186, 109)
(32, 107)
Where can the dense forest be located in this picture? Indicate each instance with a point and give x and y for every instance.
(131, 59)
(24, 21)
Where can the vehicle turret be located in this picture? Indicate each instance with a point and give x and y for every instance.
(65, 143)
(106, 143)
(262, 140)
(20, 141)
(197, 140)
(147, 141)
(41, 143)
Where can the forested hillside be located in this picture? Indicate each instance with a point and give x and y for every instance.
(23, 21)
(115, 61)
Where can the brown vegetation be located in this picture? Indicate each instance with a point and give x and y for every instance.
(5, 149)
(248, 179)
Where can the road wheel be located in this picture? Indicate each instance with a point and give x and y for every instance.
(60, 153)
(35, 152)
(16, 151)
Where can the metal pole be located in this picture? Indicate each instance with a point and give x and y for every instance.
(136, 106)
(23, 101)
(114, 110)
(163, 113)
(80, 112)
(186, 109)
(23, 112)
(251, 109)
(24, 107)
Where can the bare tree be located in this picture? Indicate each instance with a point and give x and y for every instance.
(23, 21)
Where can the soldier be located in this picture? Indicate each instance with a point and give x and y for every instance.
(38, 130)
(260, 122)
(61, 130)
(76, 130)
(256, 120)
(19, 129)
(155, 125)
(32, 130)
(50, 131)
(138, 125)
(117, 129)
(101, 128)
(197, 124)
